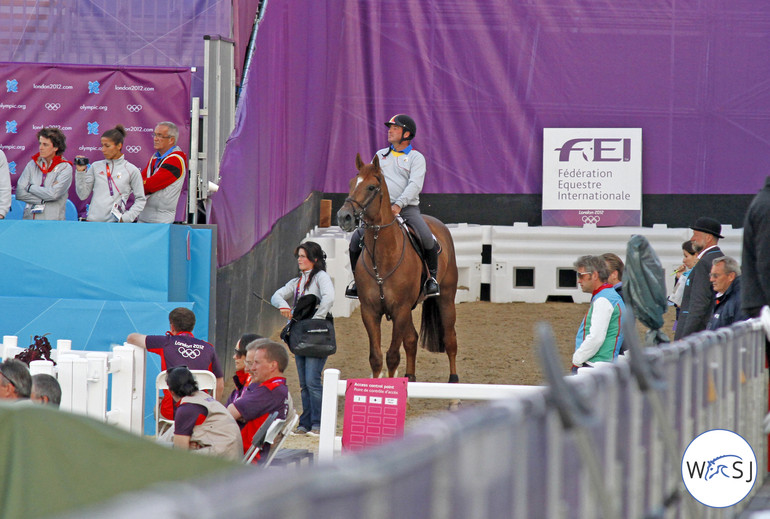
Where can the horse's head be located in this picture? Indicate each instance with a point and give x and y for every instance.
(367, 190)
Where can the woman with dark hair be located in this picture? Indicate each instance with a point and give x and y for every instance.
(689, 259)
(111, 181)
(314, 280)
(241, 379)
(201, 423)
(45, 181)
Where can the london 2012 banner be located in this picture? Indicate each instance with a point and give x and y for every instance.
(83, 102)
(592, 176)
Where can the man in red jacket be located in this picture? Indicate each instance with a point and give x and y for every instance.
(163, 176)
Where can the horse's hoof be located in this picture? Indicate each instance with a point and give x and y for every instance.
(411, 378)
(454, 379)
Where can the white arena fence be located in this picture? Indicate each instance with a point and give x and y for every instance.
(87, 377)
(515, 458)
(520, 263)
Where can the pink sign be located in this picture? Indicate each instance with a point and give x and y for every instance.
(375, 411)
(83, 102)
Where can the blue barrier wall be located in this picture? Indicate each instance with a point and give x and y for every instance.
(95, 283)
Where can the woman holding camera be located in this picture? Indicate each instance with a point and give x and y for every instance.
(44, 184)
(313, 279)
(111, 181)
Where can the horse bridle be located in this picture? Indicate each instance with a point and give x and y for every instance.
(359, 214)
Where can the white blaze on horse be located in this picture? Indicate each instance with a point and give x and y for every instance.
(390, 274)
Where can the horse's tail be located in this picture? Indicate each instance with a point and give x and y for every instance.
(431, 331)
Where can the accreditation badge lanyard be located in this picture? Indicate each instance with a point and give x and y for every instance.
(45, 169)
(159, 160)
(297, 292)
(111, 182)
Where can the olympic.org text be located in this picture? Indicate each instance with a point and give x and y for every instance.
(90, 148)
(140, 88)
(53, 86)
(41, 126)
(4, 106)
(13, 147)
(93, 107)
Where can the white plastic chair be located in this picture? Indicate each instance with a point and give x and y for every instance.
(288, 425)
(258, 440)
(206, 382)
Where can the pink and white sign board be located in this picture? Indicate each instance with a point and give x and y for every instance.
(375, 411)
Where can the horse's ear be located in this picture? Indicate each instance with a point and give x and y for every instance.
(359, 162)
(376, 161)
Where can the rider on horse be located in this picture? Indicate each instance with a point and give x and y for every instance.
(404, 170)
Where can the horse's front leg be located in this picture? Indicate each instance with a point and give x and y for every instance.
(372, 322)
(403, 332)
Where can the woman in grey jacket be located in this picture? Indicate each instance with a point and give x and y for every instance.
(111, 181)
(45, 181)
(313, 279)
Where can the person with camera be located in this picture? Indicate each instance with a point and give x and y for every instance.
(111, 181)
(314, 280)
(44, 184)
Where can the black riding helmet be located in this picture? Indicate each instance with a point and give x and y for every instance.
(405, 122)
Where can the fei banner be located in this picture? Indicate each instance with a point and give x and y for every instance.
(85, 101)
(592, 176)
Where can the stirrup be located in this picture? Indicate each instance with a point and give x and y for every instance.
(351, 292)
(431, 287)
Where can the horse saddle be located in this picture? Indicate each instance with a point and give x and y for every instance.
(416, 241)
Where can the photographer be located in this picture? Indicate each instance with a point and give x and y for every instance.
(111, 181)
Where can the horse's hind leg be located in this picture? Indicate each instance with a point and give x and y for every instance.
(372, 323)
(448, 318)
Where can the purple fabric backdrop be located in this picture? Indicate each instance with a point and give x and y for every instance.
(84, 102)
(483, 78)
(123, 32)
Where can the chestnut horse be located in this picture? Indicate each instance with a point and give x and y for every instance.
(389, 276)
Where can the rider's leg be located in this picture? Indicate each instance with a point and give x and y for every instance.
(412, 215)
(354, 251)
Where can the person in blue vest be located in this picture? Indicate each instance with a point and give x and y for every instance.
(600, 335)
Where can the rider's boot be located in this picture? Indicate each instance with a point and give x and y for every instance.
(351, 292)
(431, 258)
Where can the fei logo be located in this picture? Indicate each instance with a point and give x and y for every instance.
(604, 150)
(93, 128)
(719, 468)
(93, 87)
(11, 85)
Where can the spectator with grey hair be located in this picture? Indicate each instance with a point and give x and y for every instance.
(726, 280)
(45, 390)
(163, 176)
(600, 336)
(15, 380)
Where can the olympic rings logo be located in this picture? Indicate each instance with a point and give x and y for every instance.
(591, 219)
(189, 354)
(134, 108)
(52, 106)
(133, 149)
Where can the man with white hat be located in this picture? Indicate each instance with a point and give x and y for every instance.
(698, 298)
